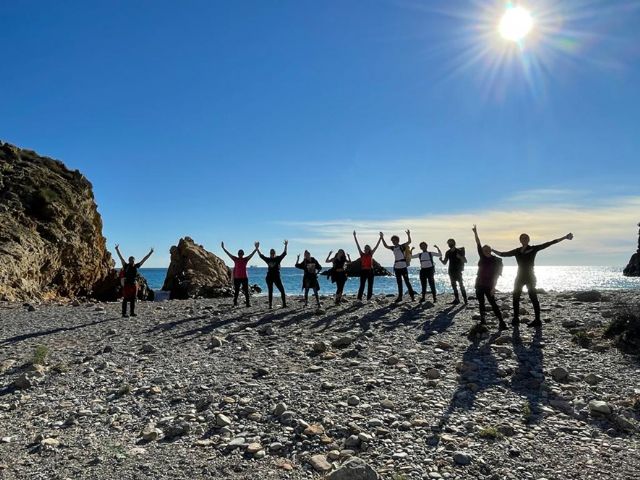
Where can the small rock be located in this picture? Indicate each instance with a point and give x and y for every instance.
(320, 463)
(222, 420)
(320, 347)
(592, 379)
(354, 469)
(279, 409)
(353, 400)
(599, 407)
(559, 374)
(342, 342)
(461, 458)
(253, 448)
(432, 374)
(215, 342)
(148, 348)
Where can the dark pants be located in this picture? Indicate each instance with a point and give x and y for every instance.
(341, 279)
(366, 276)
(277, 281)
(427, 275)
(481, 294)
(315, 294)
(130, 293)
(530, 283)
(456, 278)
(403, 274)
(237, 283)
(132, 308)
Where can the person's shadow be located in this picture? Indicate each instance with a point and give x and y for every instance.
(442, 321)
(528, 378)
(477, 371)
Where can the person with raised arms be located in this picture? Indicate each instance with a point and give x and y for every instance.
(338, 273)
(456, 259)
(402, 256)
(367, 271)
(130, 281)
(427, 269)
(273, 262)
(240, 276)
(489, 269)
(311, 267)
(526, 277)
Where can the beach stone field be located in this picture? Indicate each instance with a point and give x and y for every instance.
(201, 389)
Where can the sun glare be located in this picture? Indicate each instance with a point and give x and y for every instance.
(515, 24)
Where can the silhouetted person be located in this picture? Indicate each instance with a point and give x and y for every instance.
(400, 264)
(367, 271)
(273, 262)
(240, 276)
(338, 272)
(489, 270)
(456, 259)
(526, 257)
(311, 267)
(427, 269)
(130, 281)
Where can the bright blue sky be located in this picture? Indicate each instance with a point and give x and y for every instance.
(245, 120)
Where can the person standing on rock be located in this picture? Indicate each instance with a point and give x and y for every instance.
(489, 269)
(311, 268)
(367, 271)
(130, 281)
(273, 262)
(526, 257)
(402, 256)
(427, 269)
(338, 272)
(456, 259)
(240, 276)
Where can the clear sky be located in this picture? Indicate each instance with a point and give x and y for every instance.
(264, 120)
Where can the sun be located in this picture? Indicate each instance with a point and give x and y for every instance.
(516, 23)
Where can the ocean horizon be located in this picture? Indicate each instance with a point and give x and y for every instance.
(550, 278)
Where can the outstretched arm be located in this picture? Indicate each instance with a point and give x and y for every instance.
(568, 236)
(120, 255)
(255, 249)
(384, 242)
(373, 250)
(439, 254)
(146, 257)
(443, 258)
(408, 238)
(357, 243)
(298, 264)
(284, 252)
(510, 253)
(329, 258)
(232, 257)
(478, 244)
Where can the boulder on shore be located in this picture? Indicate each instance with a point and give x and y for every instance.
(195, 272)
(633, 268)
(51, 242)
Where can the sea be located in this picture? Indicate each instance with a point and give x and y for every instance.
(550, 278)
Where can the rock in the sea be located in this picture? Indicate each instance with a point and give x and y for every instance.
(195, 272)
(354, 469)
(51, 242)
(633, 267)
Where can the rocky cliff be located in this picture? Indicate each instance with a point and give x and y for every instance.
(195, 272)
(51, 241)
(633, 268)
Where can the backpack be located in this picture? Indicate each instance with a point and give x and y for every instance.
(461, 251)
(407, 254)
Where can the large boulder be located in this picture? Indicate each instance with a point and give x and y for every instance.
(633, 268)
(51, 242)
(195, 272)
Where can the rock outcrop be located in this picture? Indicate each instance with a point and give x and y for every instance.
(195, 272)
(51, 242)
(633, 268)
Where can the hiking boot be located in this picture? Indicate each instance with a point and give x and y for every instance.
(535, 324)
(397, 300)
(133, 315)
(124, 315)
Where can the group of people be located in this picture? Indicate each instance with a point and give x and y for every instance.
(489, 270)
